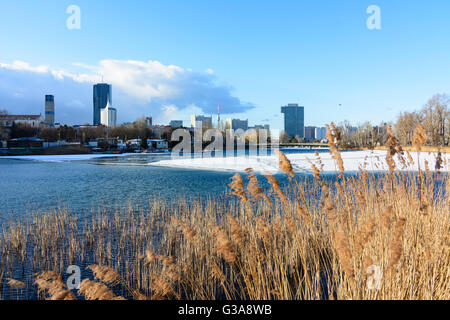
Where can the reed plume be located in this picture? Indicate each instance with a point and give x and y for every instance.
(439, 161)
(217, 274)
(396, 244)
(15, 284)
(105, 274)
(137, 295)
(253, 187)
(419, 138)
(237, 187)
(148, 256)
(224, 247)
(315, 172)
(255, 190)
(387, 217)
(162, 289)
(275, 184)
(188, 232)
(394, 148)
(92, 290)
(341, 243)
(334, 138)
(303, 214)
(51, 283)
(366, 232)
(285, 164)
(237, 233)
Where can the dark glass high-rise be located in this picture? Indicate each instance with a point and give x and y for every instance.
(102, 92)
(294, 120)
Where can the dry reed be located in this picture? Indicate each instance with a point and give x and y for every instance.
(317, 242)
(92, 290)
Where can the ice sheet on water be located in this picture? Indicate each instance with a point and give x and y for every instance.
(60, 158)
(301, 162)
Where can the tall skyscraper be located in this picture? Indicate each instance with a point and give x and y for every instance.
(50, 110)
(294, 120)
(102, 95)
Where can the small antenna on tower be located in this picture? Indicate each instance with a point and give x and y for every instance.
(218, 117)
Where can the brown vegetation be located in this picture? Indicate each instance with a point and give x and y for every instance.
(313, 239)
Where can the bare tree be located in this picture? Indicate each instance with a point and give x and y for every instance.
(435, 116)
(405, 125)
(298, 139)
(347, 134)
(284, 137)
(365, 135)
(49, 134)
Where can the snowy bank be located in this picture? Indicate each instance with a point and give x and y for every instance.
(302, 162)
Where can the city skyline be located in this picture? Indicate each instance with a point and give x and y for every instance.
(320, 55)
(106, 115)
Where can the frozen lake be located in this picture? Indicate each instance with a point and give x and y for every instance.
(39, 183)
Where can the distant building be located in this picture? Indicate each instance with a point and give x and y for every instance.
(294, 120)
(176, 123)
(157, 144)
(49, 110)
(152, 143)
(8, 121)
(321, 133)
(260, 126)
(160, 131)
(26, 142)
(102, 95)
(108, 116)
(148, 122)
(205, 121)
(84, 126)
(310, 133)
(352, 130)
(381, 129)
(236, 124)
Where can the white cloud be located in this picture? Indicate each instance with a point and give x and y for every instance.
(168, 113)
(139, 87)
(24, 66)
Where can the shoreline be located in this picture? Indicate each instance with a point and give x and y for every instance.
(370, 160)
(412, 149)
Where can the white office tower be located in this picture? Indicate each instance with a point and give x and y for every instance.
(108, 116)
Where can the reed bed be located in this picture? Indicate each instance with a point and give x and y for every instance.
(360, 236)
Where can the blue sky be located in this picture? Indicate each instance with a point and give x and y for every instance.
(263, 54)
